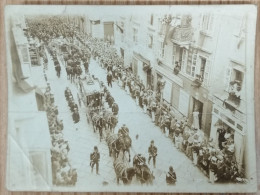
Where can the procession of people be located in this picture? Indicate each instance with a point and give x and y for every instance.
(215, 160)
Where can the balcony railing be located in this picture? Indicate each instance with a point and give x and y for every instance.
(221, 103)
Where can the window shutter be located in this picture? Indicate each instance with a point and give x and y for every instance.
(206, 73)
(211, 22)
(227, 78)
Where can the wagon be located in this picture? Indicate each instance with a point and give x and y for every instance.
(91, 94)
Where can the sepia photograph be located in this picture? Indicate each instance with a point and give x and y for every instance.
(131, 98)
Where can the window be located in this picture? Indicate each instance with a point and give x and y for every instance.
(174, 51)
(183, 58)
(202, 66)
(206, 73)
(150, 41)
(151, 19)
(233, 78)
(160, 27)
(207, 23)
(162, 50)
(135, 35)
(191, 67)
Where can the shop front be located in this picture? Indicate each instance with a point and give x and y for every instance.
(225, 127)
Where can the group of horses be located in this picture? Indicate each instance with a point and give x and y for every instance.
(103, 121)
(118, 145)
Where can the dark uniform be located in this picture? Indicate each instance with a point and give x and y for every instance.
(109, 79)
(152, 150)
(94, 159)
(171, 177)
(76, 116)
(123, 130)
(138, 162)
(115, 108)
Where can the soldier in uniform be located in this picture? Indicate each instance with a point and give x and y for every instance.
(138, 161)
(94, 160)
(123, 130)
(75, 116)
(58, 69)
(109, 79)
(152, 150)
(115, 108)
(171, 176)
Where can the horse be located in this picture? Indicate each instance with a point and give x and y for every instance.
(97, 121)
(123, 143)
(123, 171)
(111, 139)
(112, 123)
(110, 120)
(144, 174)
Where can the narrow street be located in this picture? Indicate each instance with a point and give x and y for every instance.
(82, 139)
(141, 124)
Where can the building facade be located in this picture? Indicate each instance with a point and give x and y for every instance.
(29, 146)
(202, 60)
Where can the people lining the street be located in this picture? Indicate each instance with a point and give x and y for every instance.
(62, 171)
(171, 176)
(215, 160)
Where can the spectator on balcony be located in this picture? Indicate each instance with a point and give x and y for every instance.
(235, 88)
(177, 68)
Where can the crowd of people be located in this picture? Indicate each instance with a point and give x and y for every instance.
(62, 172)
(217, 162)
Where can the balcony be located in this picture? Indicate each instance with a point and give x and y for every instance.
(182, 35)
(234, 99)
(177, 68)
(198, 81)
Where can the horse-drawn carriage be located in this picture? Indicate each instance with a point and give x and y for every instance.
(91, 94)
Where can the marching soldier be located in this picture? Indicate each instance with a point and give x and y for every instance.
(123, 130)
(152, 150)
(171, 176)
(94, 160)
(58, 69)
(115, 108)
(75, 116)
(109, 79)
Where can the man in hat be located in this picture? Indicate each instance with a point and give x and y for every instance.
(94, 160)
(75, 115)
(171, 176)
(138, 161)
(152, 150)
(109, 79)
(124, 131)
(115, 108)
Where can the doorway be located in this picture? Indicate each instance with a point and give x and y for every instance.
(122, 52)
(149, 78)
(198, 107)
